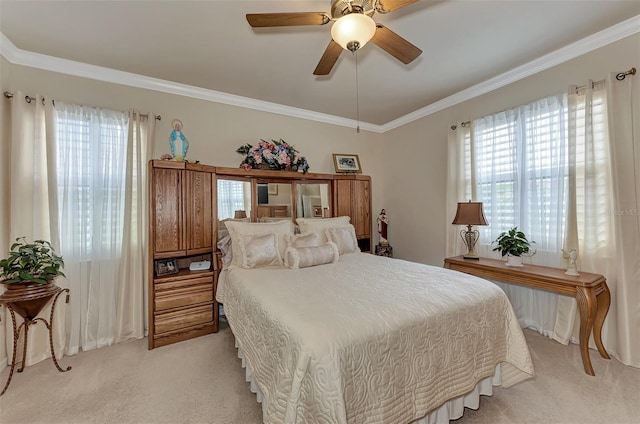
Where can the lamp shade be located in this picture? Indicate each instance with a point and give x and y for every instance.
(239, 214)
(470, 213)
(353, 31)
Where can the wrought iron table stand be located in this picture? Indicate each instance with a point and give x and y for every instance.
(30, 319)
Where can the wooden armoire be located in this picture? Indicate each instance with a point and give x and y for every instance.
(181, 218)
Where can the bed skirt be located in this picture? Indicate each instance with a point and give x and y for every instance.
(451, 410)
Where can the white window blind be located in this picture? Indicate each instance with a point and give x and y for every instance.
(91, 157)
(521, 166)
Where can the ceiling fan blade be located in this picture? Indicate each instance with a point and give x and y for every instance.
(386, 6)
(328, 59)
(395, 45)
(287, 19)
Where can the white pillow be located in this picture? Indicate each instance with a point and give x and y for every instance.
(260, 250)
(222, 228)
(318, 225)
(344, 237)
(281, 229)
(302, 257)
(303, 240)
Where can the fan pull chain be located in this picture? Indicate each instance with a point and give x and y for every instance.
(357, 96)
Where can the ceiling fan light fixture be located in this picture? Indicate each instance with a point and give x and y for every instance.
(353, 31)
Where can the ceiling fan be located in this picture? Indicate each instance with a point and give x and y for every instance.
(352, 29)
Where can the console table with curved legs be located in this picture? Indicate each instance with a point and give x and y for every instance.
(28, 306)
(590, 291)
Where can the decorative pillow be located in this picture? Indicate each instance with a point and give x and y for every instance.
(222, 227)
(302, 257)
(260, 250)
(318, 225)
(281, 229)
(344, 237)
(303, 240)
(224, 244)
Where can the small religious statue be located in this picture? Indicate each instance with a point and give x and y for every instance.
(383, 248)
(571, 257)
(178, 142)
(383, 223)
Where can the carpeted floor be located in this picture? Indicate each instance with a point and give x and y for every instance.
(201, 381)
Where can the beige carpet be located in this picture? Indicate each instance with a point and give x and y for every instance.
(201, 381)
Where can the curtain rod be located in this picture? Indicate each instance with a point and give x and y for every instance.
(29, 99)
(462, 124)
(620, 76)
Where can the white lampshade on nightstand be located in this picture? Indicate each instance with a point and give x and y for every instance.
(469, 214)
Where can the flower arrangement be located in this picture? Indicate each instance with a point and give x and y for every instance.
(274, 154)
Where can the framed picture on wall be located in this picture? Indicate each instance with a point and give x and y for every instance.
(347, 163)
(273, 189)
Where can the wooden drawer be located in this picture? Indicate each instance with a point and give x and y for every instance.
(184, 296)
(170, 284)
(170, 321)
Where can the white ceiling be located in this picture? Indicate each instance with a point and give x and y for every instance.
(209, 44)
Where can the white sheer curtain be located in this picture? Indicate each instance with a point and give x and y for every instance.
(605, 163)
(32, 207)
(589, 227)
(131, 314)
(459, 182)
(101, 199)
(622, 334)
(520, 166)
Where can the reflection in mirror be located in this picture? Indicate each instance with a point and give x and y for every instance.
(313, 200)
(234, 202)
(274, 201)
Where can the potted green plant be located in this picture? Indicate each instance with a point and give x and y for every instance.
(513, 244)
(28, 273)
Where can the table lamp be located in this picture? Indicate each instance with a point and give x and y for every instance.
(470, 213)
(240, 214)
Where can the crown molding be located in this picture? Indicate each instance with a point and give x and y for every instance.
(595, 41)
(18, 56)
(50, 63)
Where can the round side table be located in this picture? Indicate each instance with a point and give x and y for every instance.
(28, 301)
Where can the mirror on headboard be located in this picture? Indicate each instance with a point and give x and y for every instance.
(234, 201)
(274, 200)
(312, 200)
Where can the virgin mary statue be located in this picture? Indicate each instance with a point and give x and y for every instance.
(178, 142)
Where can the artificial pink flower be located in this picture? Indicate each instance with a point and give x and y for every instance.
(246, 166)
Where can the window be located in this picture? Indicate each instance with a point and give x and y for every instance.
(91, 157)
(521, 161)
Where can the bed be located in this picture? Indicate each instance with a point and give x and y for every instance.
(369, 339)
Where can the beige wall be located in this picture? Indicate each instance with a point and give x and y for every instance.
(416, 154)
(214, 130)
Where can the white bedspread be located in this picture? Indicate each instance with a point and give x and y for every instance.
(369, 339)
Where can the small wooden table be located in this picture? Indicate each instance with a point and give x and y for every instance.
(590, 290)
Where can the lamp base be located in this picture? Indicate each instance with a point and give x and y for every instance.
(476, 258)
